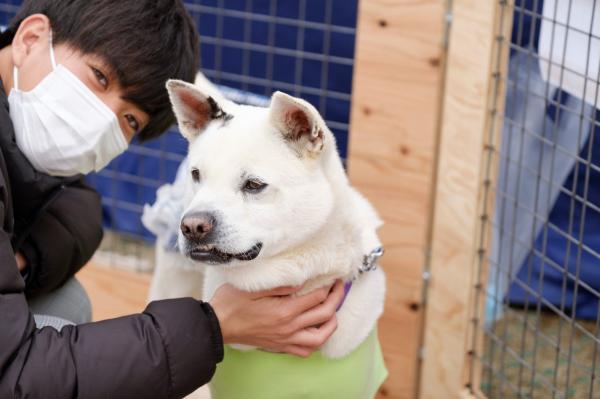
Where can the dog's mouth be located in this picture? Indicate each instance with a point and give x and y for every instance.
(211, 254)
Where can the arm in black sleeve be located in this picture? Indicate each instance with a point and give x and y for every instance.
(62, 239)
(166, 352)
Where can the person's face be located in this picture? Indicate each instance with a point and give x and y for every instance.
(31, 55)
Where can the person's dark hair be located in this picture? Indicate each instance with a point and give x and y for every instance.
(144, 42)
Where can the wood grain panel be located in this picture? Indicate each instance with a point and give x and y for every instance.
(114, 292)
(494, 125)
(397, 85)
(456, 224)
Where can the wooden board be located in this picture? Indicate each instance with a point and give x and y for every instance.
(472, 372)
(456, 222)
(397, 86)
(114, 292)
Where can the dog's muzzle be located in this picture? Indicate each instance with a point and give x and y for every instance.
(212, 255)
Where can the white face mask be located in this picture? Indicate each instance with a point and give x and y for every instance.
(62, 127)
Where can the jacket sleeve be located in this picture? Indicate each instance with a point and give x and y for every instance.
(168, 351)
(62, 239)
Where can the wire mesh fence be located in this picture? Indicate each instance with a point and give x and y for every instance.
(541, 328)
(251, 48)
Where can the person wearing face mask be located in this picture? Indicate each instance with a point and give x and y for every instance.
(55, 140)
(78, 80)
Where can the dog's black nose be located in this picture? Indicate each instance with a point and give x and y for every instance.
(195, 226)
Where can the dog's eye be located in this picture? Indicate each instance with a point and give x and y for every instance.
(196, 175)
(254, 186)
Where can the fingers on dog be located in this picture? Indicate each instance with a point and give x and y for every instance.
(326, 299)
(337, 293)
(303, 303)
(287, 327)
(277, 292)
(327, 329)
(317, 315)
(315, 337)
(298, 351)
(322, 313)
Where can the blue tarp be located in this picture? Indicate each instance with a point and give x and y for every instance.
(567, 248)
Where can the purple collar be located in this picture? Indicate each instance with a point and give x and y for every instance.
(347, 287)
(369, 264)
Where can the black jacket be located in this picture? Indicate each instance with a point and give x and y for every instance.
(168, 351)
(58, 221)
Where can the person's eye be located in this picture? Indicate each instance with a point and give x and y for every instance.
(133, 123)
(102, 79)
(254, 186)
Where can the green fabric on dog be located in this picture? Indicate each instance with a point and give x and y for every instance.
(263, 375)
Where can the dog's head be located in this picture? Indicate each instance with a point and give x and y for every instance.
(257, 176)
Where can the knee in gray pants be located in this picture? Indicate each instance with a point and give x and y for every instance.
(69, 302)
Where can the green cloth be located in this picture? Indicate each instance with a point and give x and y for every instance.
(263, 375)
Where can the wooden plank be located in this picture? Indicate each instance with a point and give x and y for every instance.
(494, 125)
(397, 88)
(456, 225)
(114, 292)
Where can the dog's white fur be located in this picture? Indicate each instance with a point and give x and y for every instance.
(175, 276)
(314, 227)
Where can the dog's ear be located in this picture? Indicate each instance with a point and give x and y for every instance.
(194, 109)
(299, 122)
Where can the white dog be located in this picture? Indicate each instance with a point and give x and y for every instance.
(268, 204)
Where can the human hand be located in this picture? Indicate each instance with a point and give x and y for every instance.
(275, 320)
(21, 261)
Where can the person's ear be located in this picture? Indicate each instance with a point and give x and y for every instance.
(34, 33)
